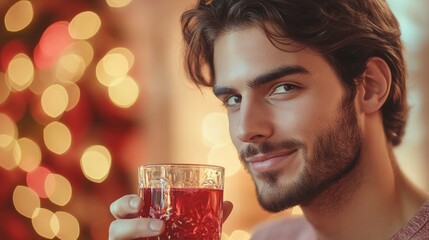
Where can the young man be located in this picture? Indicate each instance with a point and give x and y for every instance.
(316, 100)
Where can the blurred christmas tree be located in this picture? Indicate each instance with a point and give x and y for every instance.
(70, 118)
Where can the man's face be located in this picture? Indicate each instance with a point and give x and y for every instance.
(288, 117)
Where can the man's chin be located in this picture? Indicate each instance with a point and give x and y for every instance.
(275, 206)
(274, 198)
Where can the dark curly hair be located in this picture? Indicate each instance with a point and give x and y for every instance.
(347, 33)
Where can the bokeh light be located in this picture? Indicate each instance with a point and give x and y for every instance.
(7, 128)
(18, 16)
(297, 211)
(31, 155)
(36, 180)
(70, 68)
(54, 41)
(20, 72)
(125, 52)
(58, 189)
(215, 128)
(73, 93)
(83, 49)
(224, 236)
(55, 100)
(4, 88)
(84, 25)
(125, 93)
(118, 3)
(226, 156)
(239, 235)
(25, 200)
(10, 152)
(10, 50)
(57, 137)
(114, 66)
(69, 228)
(45, 223)
(95, 163)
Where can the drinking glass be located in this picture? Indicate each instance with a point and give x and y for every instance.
(188, 197)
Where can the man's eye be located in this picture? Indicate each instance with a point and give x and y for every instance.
(284, 88)
(232, 100)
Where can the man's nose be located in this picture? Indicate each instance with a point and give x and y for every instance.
(255, 122)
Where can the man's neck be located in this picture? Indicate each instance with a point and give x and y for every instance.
(377, 205)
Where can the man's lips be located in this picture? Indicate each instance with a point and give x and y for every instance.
(269, 161)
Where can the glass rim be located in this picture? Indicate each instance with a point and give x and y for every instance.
(178, 165)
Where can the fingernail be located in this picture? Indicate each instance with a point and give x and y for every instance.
(135, 202)
(156, 225)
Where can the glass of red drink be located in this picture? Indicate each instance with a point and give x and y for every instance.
(188, 197)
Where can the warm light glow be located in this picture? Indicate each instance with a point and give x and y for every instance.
(118, 3)
(114, 66)
(54, 100)
(54, 41)
(10, 152)
(125, 93)
(54, 224)
(36, 180)
(224, 236)
(57, 137)
(18, 16)
(82, 49)
(215, 128)
(124, 52)
(7, 128)
(4, 88)
(25, 200)
(70, 68)
(45, 223)
(84, 25)
(225, 155)
(95, 163)
(31, 155)
(58, 189)
(20, 72)
(73, 92)
(239, 235)
(297, 211)
(45, 79)
(68, 226)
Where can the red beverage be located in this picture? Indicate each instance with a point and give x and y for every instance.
(193, 213)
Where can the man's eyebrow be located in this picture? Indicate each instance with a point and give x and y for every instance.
(273, 75)
(277, 73)
(219, 91)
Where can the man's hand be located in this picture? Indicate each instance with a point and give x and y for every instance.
(128, 224)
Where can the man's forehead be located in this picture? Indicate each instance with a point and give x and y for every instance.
(247, 53)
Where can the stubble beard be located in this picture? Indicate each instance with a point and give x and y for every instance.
(335, 155)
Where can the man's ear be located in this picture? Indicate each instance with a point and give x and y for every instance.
(375, 85)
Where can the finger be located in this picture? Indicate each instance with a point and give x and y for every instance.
(135, 228)
(227, 209)
(126, 207)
